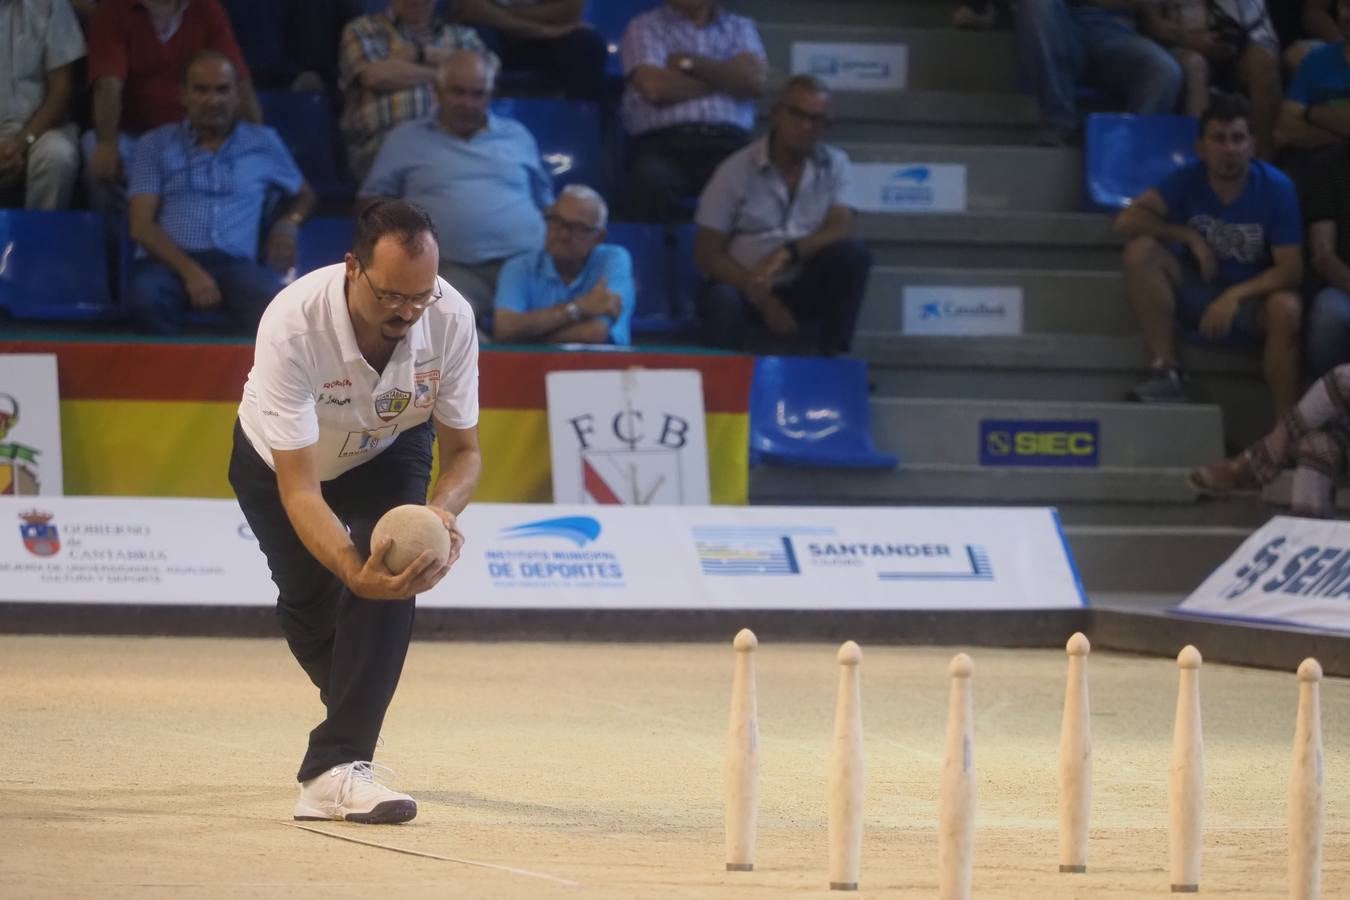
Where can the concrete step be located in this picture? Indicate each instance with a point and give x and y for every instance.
(881, 13)
(951, 432)
(942, 59)
(1063, 368)
(972, 485)
(1053, 301)
(1163, 559)
(929, 116)
(993, 239)
(1002, 178)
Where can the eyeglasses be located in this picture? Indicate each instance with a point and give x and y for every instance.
(815, 120)
(395, 300)
(571, 229)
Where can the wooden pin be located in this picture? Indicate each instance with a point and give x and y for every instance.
(742, 768)
(956, 793)
(846, 774)
(1186, 798)
(1305, 788)
(1075, 760)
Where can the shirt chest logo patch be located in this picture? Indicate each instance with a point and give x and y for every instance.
(368, 440)
(425, 386)
(391, 403)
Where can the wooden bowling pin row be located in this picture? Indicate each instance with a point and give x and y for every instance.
(956, 797)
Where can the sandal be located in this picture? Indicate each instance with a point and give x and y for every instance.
(1228, 476)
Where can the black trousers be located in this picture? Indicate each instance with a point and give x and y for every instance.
(825, 298)
(352, 649)
(574, 62)
(668, 168)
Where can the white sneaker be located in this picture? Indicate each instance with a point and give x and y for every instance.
(351, 793)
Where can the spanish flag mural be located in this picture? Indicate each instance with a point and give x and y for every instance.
(154, 419)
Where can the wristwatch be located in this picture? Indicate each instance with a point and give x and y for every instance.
(573, 311)
(29, 139)
(686, 63)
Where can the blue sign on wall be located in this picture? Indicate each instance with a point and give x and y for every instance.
(1028, 442)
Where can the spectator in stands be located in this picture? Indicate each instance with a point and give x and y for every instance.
(1327, 212)
(1315, 114)
(39, 149)
(197, 197)
(477, 174)
(1313, 437)
(1229, 42)
(774, 230)
(694, 73)
(1217, 244)
(388, 73)
(546, 37)
(138, 51)
(1062, 42)
(577, 289)
(1319, 28)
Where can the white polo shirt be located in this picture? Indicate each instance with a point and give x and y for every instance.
(310, 384)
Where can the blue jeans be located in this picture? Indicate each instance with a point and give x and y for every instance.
(157, 300)
(1328, 332)
(1057, 47)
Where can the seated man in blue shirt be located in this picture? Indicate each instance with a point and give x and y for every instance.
(576, 289)
(197, 194)
(1217, 245)
(478, 176)
(1316, 113)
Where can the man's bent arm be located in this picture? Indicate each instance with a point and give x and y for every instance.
(461, 465)
(1285, 274)
(312, 518)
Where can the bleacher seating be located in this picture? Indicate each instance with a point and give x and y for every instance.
(652, 268)
(307, 124)
(54, 266)
(568, 134)
(814, 412)
(610, 18)
(1125, 155)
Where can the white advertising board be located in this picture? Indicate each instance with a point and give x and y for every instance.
(628, 436)
(853, 67)
(572, 557)
(906, 187)
(1290, 570)
(30, 425)
(971, 311)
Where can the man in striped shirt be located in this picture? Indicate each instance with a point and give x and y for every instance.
(694, 73)
(387, 73)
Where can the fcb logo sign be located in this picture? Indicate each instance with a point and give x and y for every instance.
(39, 534)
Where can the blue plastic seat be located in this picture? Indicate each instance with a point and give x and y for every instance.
(568, 134)
(322, 242)
(54, 266)
(610, 18)
(307, 125)
(1125, 155)
(687, 280)
(812, 411)
(651, 273)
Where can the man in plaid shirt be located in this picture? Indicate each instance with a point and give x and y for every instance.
(387, 72)
(694, 73)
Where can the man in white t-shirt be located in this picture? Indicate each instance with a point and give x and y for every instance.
(357, 367)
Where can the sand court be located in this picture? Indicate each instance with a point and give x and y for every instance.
(165, 766)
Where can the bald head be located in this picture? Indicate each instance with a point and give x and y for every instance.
(464, 85)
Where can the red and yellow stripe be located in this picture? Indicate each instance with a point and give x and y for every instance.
(154, 419)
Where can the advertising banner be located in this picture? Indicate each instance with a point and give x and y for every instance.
(853, 67)
(907, 187)
(1291, 570)
(962, 311)
(30, 425)
(572, 557)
